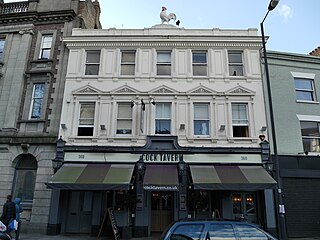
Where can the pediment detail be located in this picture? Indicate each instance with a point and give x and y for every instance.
(163, 89)
(201, 90)
(87, 90)
(240, 91)
(125, 89)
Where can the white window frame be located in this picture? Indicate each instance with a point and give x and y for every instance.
(199, 65)
(34, 98)
(241, 124)
(311, 91)
(44, 48)
(93, 63)
(120, 119)
(234, 65)
(130, 64)
(315, 147)
(204, 132)
(161, 63)
(86, 125)
(161, 118)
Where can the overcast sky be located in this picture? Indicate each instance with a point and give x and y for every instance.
(293, 26)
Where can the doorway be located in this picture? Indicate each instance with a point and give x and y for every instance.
(79, 213)
(161, 210)
(244, 206)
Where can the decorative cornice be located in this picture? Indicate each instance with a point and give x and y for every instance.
(163, 44)
(37, 18)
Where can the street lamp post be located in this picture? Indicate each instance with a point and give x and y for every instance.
(279, 197)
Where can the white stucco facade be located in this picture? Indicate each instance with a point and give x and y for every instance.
(181, 89)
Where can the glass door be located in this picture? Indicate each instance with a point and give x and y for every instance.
(244, 206)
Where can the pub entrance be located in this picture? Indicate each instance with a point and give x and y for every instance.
(162, 210)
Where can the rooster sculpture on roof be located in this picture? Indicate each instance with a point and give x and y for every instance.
(167, 17)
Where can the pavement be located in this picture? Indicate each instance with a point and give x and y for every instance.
(29, 236)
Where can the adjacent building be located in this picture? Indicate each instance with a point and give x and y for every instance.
(160, 124)
(295, 87)
(33, 64)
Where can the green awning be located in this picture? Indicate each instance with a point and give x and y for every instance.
(161, 178)
(224, 177)
(92, 176)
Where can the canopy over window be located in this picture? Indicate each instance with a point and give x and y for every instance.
(92, 177)
(231, 177)
(161, 178)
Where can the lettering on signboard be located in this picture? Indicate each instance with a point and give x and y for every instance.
(244, 158)
(162, 157)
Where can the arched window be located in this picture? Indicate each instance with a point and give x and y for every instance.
(25, 178)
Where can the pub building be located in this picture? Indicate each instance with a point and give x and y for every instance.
(149, 187)
(160, 124)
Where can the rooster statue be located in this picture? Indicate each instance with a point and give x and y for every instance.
(167, 17)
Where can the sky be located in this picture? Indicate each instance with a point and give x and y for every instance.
(293, 26)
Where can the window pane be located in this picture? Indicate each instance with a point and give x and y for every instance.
(200, 70)
(36, 108)
(250, 204)
(92, 70)
(163, 110)
(24, 184)
(235, 57)
(201, 127)
(240, 131)
(93, 57)
(38, 90)
(199, 57)
(221, 231)
(87, 114)
(124, 127)
(85, 131)
(128, 57)
(310, 129)
(164, 57)
(311, 144)
(45, 54)
(127, 69)
(124, 111)
(249, 232)
(163, 69)
(239, 114)
(201, 111)
(235, 70)
(236, 202)
(163, 126)
(305, 96)
(2, 42)
(193, 231)
(303, 84)
(47, 41)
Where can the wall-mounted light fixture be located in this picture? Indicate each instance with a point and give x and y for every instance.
(142, 103)
(263, 128)
(63, 126)
(103, 127)
(222, 127)
(182, 126)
